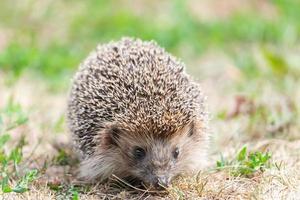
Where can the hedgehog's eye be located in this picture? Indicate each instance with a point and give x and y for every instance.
(139, 153)
(176, 153)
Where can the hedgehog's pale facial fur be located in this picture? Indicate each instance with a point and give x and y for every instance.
(132, 108)
(155, 161)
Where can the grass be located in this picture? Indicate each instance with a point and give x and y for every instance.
(65, 192)
(12, 117)
(58, 57)
(247, 62)
(246, 164)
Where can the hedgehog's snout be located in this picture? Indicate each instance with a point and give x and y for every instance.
(160, 182)
(156, 179)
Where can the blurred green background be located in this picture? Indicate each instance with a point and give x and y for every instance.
(49, 38)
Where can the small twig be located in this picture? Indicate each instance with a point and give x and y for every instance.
(133, 187)
(32, 152)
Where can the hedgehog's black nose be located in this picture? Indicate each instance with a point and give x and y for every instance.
(161, 182)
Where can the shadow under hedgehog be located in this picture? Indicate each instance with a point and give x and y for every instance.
(133, 111)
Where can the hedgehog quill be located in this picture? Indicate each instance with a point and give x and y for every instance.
(134, 112)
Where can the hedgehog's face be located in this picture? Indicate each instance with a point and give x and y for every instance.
(155, 164)
(155, 161)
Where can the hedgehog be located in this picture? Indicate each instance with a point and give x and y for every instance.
(133, 111)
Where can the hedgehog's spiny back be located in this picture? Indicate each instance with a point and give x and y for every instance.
(134, 84)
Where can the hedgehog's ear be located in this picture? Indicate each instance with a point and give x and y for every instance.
(196, 127)
(187, 131)
(115, 132)
(112, 135)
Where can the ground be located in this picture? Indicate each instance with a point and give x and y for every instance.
(245, 55)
